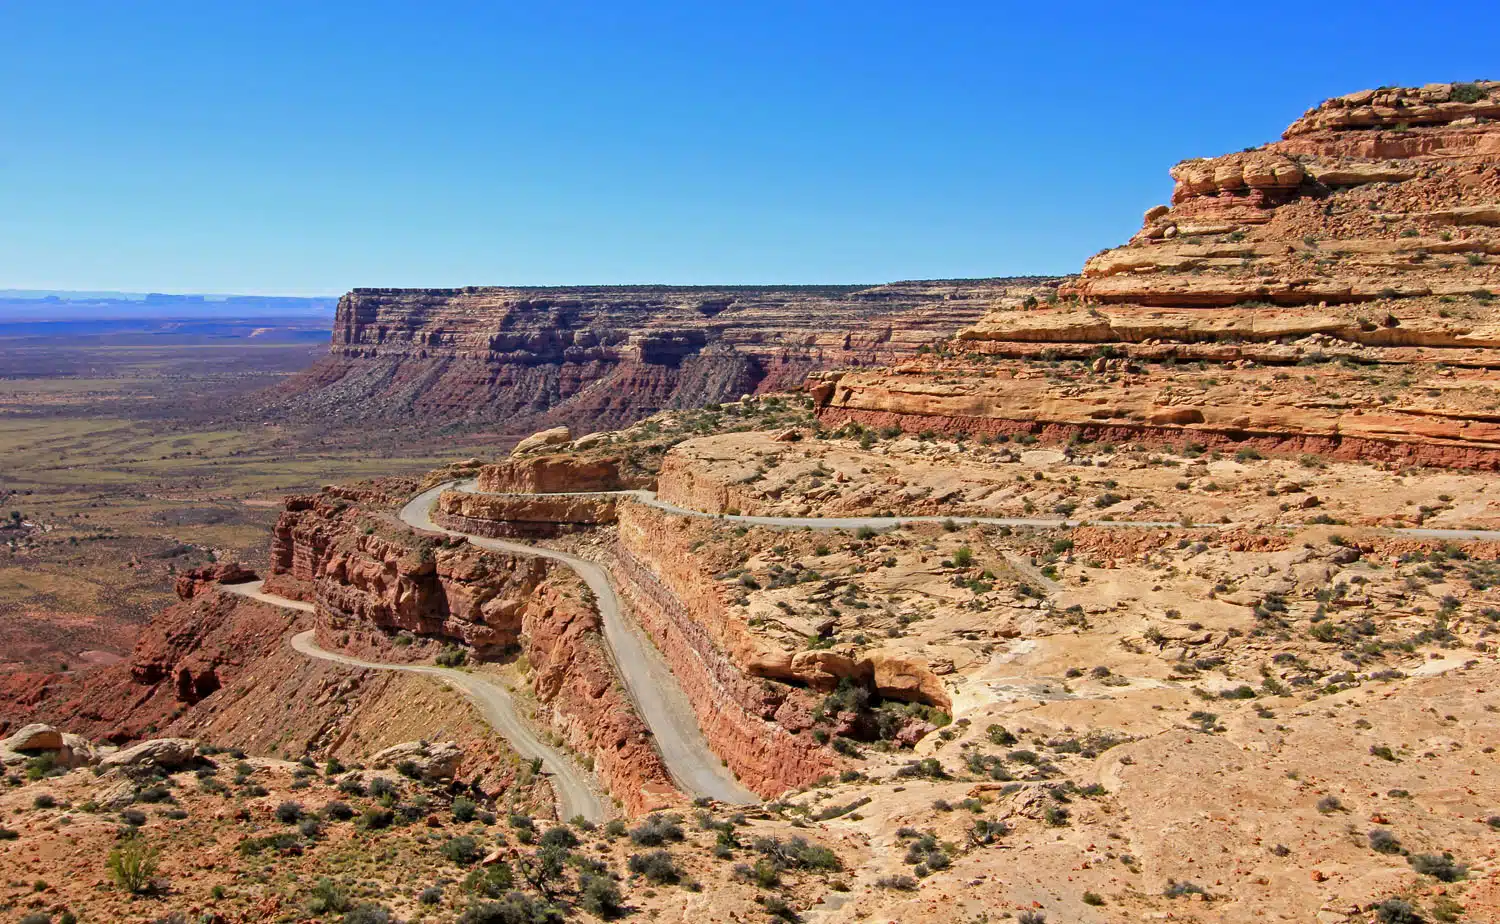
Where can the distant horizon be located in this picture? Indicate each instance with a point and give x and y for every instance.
(22, 294)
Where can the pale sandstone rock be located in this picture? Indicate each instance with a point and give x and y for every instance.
(36, 737)
(436, 761)
(556, 436)
(166, 753)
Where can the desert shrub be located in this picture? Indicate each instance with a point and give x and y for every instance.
(1093, 898)
(351, 786)
(796, 853)
(657, 829)
(599, 896)
(928, 767)
(133, 817)
(289, 812)
(310, 828)
(898, 883)
(1382, 751)
(44, 801)
(283, 844)
(997, 734)
(1383, 841)
(338, 811)
(375, 819)
(491, 881)
(1439, 866)
(154, 795)
(381, 787)
(615, 827)
(1031, 916)
(656, 866)
(326, 897)
(7, 834)
(514, 908)
(464, 809)
(1466, 93)
(559, 837)
(1183, 889)
(132, 864)
(1396, 911)
(431, 895)
(766, 873)
(463, 850)
(452, 656)
(1329, 804)
(369, 913)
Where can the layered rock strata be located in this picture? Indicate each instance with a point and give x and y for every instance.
(504, 516)
(1360, 249)
(217, 667)
(598, 357)
(751, 723)
(371, 576)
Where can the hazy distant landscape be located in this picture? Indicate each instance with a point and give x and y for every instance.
(134, 449)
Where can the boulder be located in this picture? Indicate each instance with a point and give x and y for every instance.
(165, 753)
(432, 761)
(822, 670)
(32, 741)
(899, 676)
(554, 437)
(192, 583)
(35, 738)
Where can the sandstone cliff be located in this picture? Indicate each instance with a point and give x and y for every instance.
(372, 579)
(595, 357)
(1361, 248)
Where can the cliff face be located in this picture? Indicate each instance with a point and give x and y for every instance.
(1361, 248)
(751, 723)
(371, 577)
(216, 667)
(599, 357)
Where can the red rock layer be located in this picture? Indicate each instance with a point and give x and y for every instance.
(502, 516)
(370, 576)
(1363, 245)
(752, 724)
(572, 676)
(552, 474)
(600, 357)
(1334, 447)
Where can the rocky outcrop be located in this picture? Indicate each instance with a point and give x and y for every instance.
(557, 436)
(554, 474)
(425, 760)
(758, 727)
(598, 357)
(362, 568)
(523, 515)
(573, 679)
(1360, 248)
(38, 741)
(371, 577)
(157, 754)
(198, 580)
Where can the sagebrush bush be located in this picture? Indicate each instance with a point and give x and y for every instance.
(656, 866)
(132, 864)
(657, 829)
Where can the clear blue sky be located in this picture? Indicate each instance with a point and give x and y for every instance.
(308, 147)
